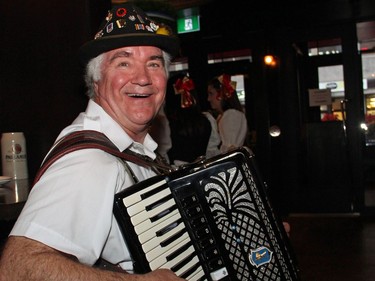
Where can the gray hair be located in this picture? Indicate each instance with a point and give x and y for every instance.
(94, 74)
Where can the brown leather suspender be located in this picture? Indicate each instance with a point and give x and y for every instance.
(94, 139)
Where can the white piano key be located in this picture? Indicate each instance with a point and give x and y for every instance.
(147, 224)
(136, 197)
(161, 261)
(141, 206)
(151, 233)
(145, 215)
(155, 252)
(154, 246)
(197, 275)
(187, 266)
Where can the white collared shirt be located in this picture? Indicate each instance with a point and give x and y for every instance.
(70, 208)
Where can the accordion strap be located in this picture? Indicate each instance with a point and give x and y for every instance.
(94, 139)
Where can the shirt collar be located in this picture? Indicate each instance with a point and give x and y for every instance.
(97, 119)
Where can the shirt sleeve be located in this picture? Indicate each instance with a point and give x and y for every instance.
(233, 129)
(70, 208)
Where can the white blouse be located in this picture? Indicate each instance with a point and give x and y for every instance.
(232, 126)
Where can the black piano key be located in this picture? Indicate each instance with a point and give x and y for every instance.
(153, 191)
(183, 262)
(178, 251)
(168, 228)
(162, 214)
(187, 273)
(172, 238)
(203, 278)
(158, 202)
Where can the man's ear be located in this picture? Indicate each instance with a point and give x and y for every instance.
(96, 86)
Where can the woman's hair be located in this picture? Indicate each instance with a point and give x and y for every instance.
(227, 101)
(190, 128)
(94, 74)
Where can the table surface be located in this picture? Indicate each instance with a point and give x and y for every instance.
(13, 196)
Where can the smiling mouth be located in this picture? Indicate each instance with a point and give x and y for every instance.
(139, 95)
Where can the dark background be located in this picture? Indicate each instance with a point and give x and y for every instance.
(42, 90)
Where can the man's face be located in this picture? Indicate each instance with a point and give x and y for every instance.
(132, 87)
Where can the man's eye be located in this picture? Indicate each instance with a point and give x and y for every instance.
(123, 64)
(154, 64)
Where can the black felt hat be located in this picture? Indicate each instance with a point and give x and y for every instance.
(127, 25)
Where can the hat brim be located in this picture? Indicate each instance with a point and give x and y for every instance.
(96, 47)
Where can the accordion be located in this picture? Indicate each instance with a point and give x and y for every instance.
(211, 220)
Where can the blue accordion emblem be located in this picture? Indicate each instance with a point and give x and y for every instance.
(260, 256)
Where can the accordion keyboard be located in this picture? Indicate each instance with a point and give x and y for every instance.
(162, 232)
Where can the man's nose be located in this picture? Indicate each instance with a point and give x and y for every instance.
(141, 77)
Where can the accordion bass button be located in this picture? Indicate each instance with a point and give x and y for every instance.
(198, 222)
(189, 200)
(215, 264)
(211, 254)
(202, 233)
(206, 243)
(194, 211)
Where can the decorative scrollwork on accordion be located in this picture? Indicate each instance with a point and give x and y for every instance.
(236, 204)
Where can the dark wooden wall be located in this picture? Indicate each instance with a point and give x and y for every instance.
(41, 80)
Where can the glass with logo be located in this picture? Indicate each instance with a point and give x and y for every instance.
(13, 155)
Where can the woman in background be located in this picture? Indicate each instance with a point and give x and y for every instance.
(193, 133)
(231, 120)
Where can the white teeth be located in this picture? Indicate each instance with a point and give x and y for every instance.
(138, 95)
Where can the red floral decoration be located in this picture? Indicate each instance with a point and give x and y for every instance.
(228, 86)
(184, 87)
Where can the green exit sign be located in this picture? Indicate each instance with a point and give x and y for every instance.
(188, 20)
(189, 24)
